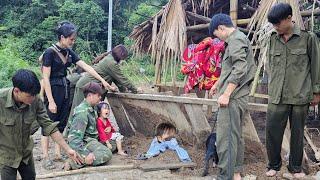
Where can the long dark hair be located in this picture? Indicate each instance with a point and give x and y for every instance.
(65, 29)
(119, 53)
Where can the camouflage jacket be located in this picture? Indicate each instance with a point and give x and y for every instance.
(83, 128)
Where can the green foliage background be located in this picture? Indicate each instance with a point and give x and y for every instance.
(27, 29)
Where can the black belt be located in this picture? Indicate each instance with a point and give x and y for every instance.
(63, 81)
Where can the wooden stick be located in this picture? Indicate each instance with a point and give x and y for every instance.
(264, 96)
(205, 19)
(198, 17)
(156, 167)
(85, 170)
(243, 21)
(315, 149)
(206, 26)
(198, 27)
(316, 12)
(314, 165)
(179, 99)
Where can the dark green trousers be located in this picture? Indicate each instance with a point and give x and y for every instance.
(27, 172)
(230, 143)
(277, 117)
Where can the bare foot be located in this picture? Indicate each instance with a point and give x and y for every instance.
(57, 157)
(299, 175)
(122, 153)
(237, 176)
(66, 166)
(271, 173)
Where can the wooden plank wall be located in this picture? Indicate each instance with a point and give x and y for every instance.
(142, 112)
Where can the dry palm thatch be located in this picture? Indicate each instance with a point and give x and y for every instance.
(259, 19)
(165, 34)
(171, 39)
(141, 35)
(205, 5)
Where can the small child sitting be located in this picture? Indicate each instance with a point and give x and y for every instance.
(107, 135)
(165, 133)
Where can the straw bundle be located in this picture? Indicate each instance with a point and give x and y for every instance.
(205, 5)
(259, 19)
(171, 39)
(141, 34)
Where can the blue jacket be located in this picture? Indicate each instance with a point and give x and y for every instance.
(157, 147)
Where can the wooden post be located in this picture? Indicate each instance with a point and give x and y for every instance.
(234, 11)
(158, 72)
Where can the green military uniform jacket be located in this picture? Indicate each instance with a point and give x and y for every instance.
(293, 68)
(82, 128)
(110, 71)
(73, 79)
(15, 126)
(237, 65)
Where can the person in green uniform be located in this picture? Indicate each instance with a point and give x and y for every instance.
(109, 69)
(19, 108)
(293, 68)
(83, 134)
(232, 88)
(73, 79)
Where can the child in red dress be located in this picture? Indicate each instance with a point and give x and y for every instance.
(107, 134)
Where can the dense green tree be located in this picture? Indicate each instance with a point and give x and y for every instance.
(88, 16)
(10, 61)
(27, 29)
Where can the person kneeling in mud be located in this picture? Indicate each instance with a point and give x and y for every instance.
(83, 134)
(165, 133)
(107, 134)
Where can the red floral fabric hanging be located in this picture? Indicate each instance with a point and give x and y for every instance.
(202, 63)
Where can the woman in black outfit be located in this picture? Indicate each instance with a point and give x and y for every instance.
(55, 62)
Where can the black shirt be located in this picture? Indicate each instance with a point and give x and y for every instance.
(58, 68)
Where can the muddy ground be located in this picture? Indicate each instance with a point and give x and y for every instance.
(254, 162)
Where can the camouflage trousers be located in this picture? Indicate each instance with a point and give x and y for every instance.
(102, 155)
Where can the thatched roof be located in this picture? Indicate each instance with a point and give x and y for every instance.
(178, 23)
(192, 12)
(182, 22)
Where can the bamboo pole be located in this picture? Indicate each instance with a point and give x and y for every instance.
(203, 19)
(316, 12)
(206, 26)
(243, 21)
(256, 77)
(86, 170)
(234, 11)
